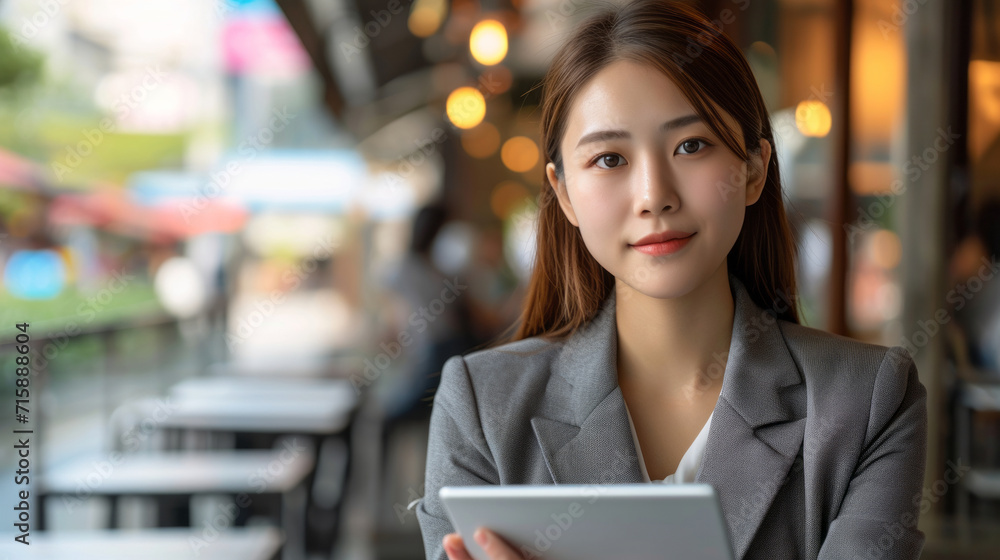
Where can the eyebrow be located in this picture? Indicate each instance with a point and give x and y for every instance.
(602, 135)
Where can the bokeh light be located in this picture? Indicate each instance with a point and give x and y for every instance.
(35, 274)
(488, 42)
(886, 249)
(482, 141)
(426, 17)
(466, 107)
(180, 287)
(520, 154)
(813, 118)
(506, 197)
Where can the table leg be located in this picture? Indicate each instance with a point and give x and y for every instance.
(293, 522)
(173, 511)
(40, 516)
(112, 511)
(963, 447)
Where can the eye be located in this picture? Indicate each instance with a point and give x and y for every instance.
(692, 146)
(609, 159)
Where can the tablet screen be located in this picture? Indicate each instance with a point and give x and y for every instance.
(594, 521)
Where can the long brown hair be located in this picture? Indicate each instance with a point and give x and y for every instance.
(567, 284)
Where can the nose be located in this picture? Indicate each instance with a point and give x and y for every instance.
(655, 188)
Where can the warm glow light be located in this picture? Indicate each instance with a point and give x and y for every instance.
(763, 49)
(519, 154)
(426, 17)
(870, 178)
(506, 197)
(481, 142)
(984, 103)
(466, 107)
(878, 76)
(886, 250)
(813, 118)
(488, 42)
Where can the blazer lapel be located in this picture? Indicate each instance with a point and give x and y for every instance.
(759, 421)
(586, 438)
(756, 431)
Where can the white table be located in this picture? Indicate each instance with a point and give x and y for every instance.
(261, 405)
(181, 474)
(239, 385)
(318, 408)
(243, 543)
(341, 366)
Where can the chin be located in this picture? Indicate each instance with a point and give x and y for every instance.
(659, 284)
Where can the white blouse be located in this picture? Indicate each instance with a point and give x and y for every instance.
(688, 467)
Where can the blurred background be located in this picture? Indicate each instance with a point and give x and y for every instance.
(239, 238)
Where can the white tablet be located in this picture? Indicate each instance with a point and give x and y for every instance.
(594, 521)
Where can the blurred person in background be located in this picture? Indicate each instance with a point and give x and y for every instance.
(428, 324)
(978, 310)
(433, 317)
(494, 291)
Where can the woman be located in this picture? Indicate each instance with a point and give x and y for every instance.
(643, 360)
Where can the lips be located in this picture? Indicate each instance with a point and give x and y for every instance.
(661, 237)
(668, 243)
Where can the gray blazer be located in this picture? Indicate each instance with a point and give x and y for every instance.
(816, 447)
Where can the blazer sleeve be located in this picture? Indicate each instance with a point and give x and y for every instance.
(879, 513)
(457, 453)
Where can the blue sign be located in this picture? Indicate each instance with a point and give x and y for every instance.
(35, 274)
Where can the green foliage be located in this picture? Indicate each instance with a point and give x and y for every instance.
(19, 65)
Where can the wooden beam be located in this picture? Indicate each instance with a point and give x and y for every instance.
(314, 42)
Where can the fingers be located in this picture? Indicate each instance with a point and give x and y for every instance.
(495, 546)
(455, 548)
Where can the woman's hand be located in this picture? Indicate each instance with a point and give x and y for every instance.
(493, 544)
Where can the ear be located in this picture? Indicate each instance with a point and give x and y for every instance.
(559, 186)
(758, 172)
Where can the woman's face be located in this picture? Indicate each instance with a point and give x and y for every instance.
(637, 160)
